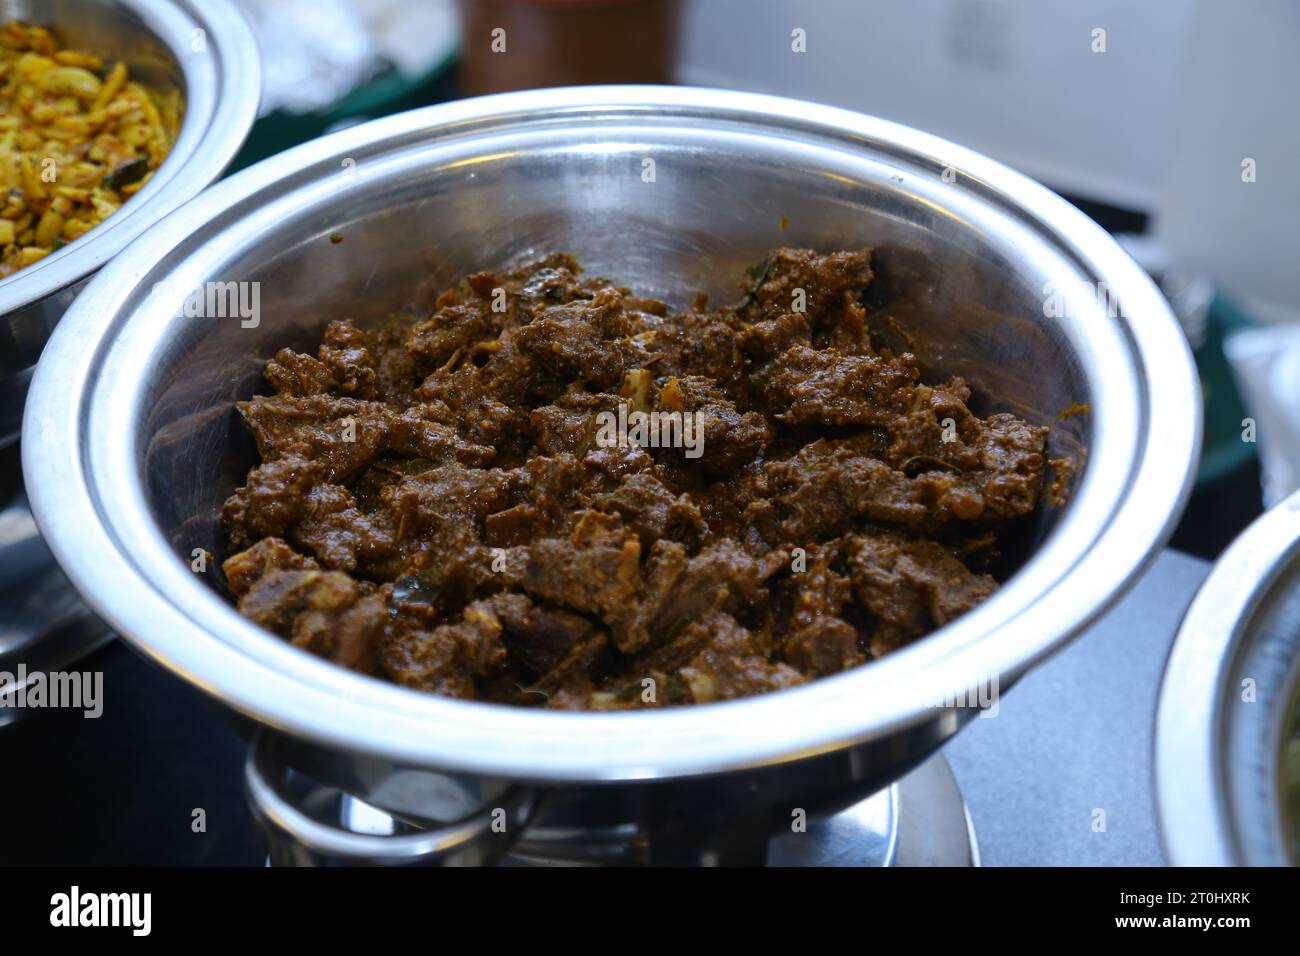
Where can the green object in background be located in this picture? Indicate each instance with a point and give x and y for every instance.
(1223, 451)
(388, 93)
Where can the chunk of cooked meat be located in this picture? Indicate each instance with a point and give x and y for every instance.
(325, 612)
(806, 386)
(910, 586)
(438, 503)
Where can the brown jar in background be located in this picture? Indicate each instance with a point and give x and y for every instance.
(566, 43)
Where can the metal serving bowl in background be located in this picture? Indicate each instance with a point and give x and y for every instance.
(1228, 702)
(136, 444)
(201, 49)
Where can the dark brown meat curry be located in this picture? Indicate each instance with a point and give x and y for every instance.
(447, 504)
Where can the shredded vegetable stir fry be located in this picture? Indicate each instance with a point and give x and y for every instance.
(78, 138)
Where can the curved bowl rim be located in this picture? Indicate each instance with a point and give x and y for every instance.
(212, 139)
(324, 703)
(1192, 802)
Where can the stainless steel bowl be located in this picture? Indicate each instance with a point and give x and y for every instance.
(135, 443)
(1228, 703)
(201, 49)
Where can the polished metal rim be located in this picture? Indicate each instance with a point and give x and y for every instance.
(1219, 804)
(83, 473)
(223, 85)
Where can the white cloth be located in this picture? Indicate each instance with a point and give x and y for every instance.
(1266, 364)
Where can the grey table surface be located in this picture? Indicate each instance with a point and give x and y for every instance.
(1074, 737)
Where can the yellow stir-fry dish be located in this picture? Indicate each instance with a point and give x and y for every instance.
(78, 138)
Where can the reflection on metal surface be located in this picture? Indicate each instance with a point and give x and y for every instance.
(308, 823)
(44, 624)
(1226, 703)
(921, 820)
(221, 86)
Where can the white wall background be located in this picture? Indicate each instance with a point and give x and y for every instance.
(1159, 122)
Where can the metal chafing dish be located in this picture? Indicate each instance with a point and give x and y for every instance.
(134, 443)
(1229, 703)
(204, 52)
(201, 48)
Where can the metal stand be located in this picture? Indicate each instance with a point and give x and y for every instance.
(921, 820)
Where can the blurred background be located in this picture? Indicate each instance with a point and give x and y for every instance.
(1176, 125)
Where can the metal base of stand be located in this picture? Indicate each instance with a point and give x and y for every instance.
(921, 820)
